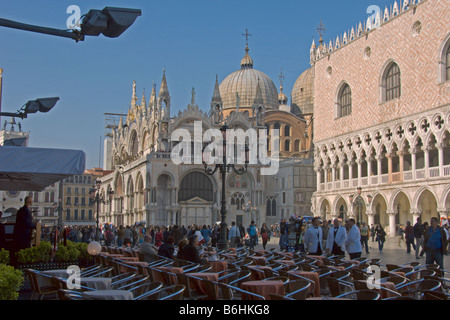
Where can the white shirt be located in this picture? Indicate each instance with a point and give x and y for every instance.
(312, 237)
(341, 237)
(353, 243)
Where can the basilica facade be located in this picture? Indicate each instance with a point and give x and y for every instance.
(384, 89)
(146, 185)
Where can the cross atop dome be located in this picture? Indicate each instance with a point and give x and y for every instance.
(247, 61)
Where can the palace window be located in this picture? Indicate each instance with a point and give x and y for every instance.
(345, 101)
(392, 82)
(448, 63)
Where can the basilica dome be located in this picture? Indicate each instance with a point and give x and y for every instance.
(244, 82)
(302, 95)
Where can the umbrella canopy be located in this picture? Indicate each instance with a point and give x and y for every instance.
(34, 169)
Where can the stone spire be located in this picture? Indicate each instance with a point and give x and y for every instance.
(216, 95)
(153, 101)
(258, 97)
(143, 107)
(164, 91)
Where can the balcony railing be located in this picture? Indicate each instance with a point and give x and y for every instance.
(395, 177)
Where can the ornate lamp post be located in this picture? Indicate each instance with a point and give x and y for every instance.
(223, 168)
(97, 199)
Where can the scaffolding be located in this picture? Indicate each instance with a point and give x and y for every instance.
(112, 122)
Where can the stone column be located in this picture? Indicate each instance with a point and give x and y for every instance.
(333, 177)
(441, 159)
(318, 170)
(413, 152)
(369, 170)
(370, 218)
(359, 162)
(392, 224)
(401, 165)
(426, 153)
(379, 167)
(389, 157)
(341, 168)
(350, 173)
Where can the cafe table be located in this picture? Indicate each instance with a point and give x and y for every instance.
(96, 283)
(262, 288)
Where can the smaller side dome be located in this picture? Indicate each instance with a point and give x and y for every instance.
(302, 95)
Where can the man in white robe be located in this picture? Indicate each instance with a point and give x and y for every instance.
(353, 242)
(313, 238)
(337, 235)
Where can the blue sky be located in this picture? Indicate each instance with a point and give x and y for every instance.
(193, 40)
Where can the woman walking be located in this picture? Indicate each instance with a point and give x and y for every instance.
(265, 235)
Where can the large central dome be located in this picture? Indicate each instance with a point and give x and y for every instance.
(244, 82)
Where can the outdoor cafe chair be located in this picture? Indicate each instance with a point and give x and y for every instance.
(274, 296)
(66, 295)
(297, 289)
(445, 282)
(189, 293)
(434, 295)
(122, 278)
(40, 291)
(285, 280)
(102, 272)
(415, 288)
(361, 295)
(229, 292)
(362, 285)
(86, 272)
(399, 298)
(129, 283)
(61, 283)
(212, 289)
(238, 278)
(140, 288)
(174, 292)
(339, 286)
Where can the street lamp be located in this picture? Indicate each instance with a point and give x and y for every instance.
(97, 199)
(111, 22)
(249, 210)
(42, 105)
(223, 168)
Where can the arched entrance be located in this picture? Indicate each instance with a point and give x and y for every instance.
(379, 209)
(427, 205)
(163, 196)
(196, 197)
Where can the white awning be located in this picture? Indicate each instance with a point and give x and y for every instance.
(34, 169)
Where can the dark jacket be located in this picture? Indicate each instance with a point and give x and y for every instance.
(166, 250)
(23, 228)
(190, 253)
(418, 230)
